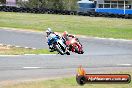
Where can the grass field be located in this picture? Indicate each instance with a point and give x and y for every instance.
(84, 25)
(4, 50)
(67, 83)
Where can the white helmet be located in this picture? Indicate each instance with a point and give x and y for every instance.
(48, 31)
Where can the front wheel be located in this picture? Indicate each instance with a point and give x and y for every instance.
(76, 49)
(58, 49)
(68, 53)
(81, 52)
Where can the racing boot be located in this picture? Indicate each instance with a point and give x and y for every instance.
(51, 48)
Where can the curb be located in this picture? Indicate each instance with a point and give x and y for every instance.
(112, 39)
(22, 54)
(21, 30)
(27, 55)
(80, 36)
(17, 46)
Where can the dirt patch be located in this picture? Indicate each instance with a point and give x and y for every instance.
(4, 47)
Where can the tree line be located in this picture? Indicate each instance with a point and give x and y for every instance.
(52, 4)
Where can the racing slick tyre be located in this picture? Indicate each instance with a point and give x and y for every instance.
(81, 52)
(59, 50)
(76, 50)
(68, 53)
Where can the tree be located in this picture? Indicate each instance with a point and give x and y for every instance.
(54, 4)
(3, 1)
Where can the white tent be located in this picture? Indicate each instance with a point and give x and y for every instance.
(11, 2)
(85, 1)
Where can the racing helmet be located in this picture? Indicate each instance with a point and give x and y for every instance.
(48, 31)
(65, 33)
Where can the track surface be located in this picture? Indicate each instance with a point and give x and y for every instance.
(100, 55)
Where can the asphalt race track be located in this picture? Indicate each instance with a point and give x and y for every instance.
(101, 55)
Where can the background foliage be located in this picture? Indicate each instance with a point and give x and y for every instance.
(52, 4)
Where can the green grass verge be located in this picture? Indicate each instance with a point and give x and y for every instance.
(84, 25)
(67, 83)
(21, 51)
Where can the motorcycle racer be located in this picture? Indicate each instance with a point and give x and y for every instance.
(49, 35)
(66, 37)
